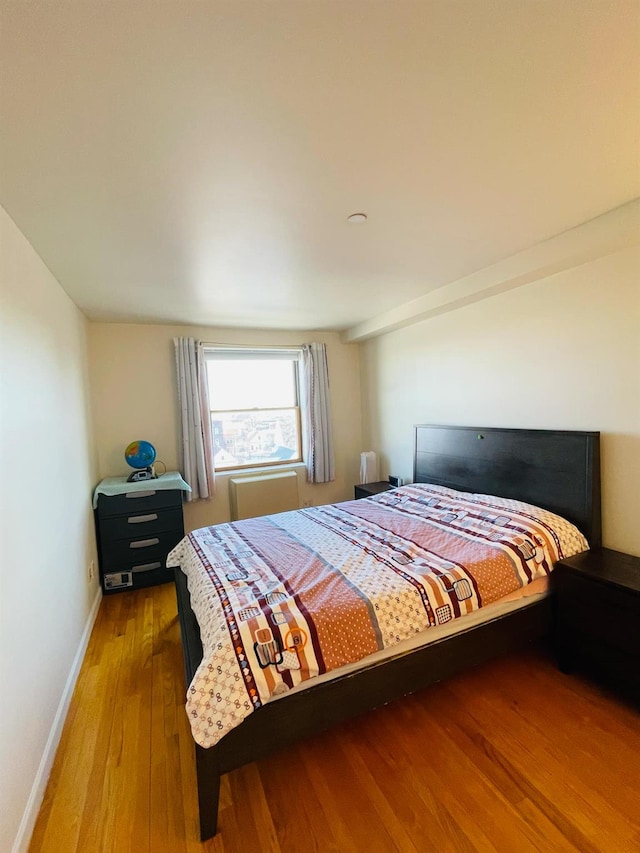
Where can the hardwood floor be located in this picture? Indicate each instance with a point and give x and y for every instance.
(512, 756)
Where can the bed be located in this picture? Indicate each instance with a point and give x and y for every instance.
(558, 471)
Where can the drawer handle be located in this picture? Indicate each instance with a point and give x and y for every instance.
(148, 494)
(146, 567)
(144, 543)
(140, 519)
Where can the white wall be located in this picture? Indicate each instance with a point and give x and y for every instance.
(133, 387)
(559, 353)
(47, 466)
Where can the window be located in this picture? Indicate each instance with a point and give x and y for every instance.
(255, 410)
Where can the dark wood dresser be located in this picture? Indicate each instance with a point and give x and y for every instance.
(597, 616)
(366, 490)
(135, 532)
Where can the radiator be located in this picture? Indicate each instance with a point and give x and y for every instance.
(263, 494)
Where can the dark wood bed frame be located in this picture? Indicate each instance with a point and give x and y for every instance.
(558, 470)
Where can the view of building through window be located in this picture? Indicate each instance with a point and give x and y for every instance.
(255, 416)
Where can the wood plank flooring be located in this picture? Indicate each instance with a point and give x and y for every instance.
(511, 756)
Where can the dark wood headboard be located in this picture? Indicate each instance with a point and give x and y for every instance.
(557, 470)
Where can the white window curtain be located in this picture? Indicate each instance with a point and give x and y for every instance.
(316, 415)
(195, 417)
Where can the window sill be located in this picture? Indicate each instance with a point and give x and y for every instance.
(261, 469)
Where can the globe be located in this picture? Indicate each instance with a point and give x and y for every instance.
(140, 454)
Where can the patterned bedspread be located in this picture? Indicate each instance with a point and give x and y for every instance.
(283, 598)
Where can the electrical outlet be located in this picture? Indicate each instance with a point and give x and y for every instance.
(91, 572)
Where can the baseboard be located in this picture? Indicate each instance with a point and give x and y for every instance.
(21, 843)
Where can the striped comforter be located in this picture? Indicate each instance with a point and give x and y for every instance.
(283, 598)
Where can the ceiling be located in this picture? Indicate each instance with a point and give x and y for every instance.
(195, 162)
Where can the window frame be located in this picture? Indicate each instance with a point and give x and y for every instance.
(231, 352)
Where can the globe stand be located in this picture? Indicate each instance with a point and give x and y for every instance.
(142, 474)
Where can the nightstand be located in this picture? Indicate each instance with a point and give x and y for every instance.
(136, 528)
(597, 616)
(367, 490)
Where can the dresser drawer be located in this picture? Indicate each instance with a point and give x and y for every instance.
(588, 608)
(138, 502)
(591, 592)
(120, 580)
(140, 525)
(123, 554)
(613, 629)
